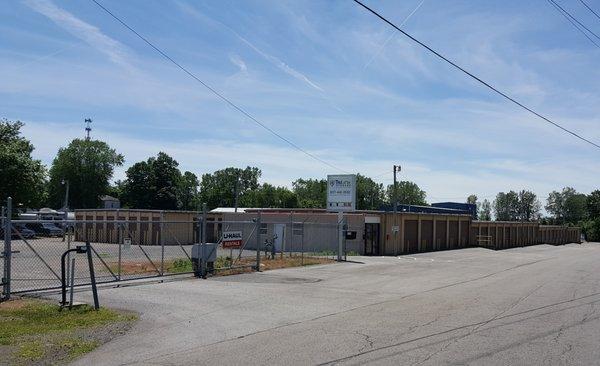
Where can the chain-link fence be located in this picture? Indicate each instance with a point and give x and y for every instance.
(133, 249)
(38, 254)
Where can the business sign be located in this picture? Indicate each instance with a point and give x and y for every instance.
(232, 239)
(341, 192)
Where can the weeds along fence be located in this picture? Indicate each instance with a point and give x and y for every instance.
(125, 249)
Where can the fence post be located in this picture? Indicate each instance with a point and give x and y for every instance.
(119, 243)
(291, 243)
(203, 244)
(162, 243)
(258, 242)
(340, 235)
(7, 249)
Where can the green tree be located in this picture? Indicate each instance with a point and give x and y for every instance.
(567, 206)
(167, 182)
(137, 189)
(370, 195)
(219, 188)
(88, 166)
(593, 203)
(472, 199)
(529, 206)
(311, 193)
(591, 229)
(188, 191)
(269, 196)
(154, 184)
(485, 210)
(21, 177)
(506, 206)
(409, 193)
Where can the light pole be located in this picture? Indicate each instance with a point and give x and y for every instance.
(66, 203)
(397, 169)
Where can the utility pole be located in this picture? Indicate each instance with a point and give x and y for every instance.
(397, 169)
(236, 192)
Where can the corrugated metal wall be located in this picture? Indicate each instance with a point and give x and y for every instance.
(400, 233)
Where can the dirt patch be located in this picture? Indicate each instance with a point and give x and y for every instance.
(14, 304)
(243, 265)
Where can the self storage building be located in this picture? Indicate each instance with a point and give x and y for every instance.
(316, 230)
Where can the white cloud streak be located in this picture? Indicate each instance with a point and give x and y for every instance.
(237, 61)
(92, 35)
(392, 35)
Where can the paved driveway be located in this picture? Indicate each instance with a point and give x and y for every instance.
(533, 305)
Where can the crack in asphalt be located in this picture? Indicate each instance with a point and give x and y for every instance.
(458, 283)
(367, 339)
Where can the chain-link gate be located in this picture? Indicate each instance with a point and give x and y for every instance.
(127, 249)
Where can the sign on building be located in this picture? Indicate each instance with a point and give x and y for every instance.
(341, 192)
(232, 239)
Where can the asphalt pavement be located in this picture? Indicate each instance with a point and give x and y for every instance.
(523, 306)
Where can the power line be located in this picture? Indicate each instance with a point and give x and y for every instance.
(392, 35)
(476, 78)
(572, 19)
(590, 9)
(214, 91)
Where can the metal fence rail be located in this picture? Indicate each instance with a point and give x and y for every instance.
(125, 250)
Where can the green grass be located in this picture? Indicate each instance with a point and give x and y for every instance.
(180, 266)
(31, 351)
(41, 318)
(78, 347)
(183, 265)
(35, 330)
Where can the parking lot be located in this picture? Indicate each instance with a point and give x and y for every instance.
(36, 261)
(531, 305)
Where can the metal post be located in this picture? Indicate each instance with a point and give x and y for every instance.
(394, 192)
(203, 243)
(92, 275)
(162, 243)
(7, 249)
(72, 282)
(67, 233)
(258, 242)
(291, 235)
(119, 243)
(302, 245)
(340, 235)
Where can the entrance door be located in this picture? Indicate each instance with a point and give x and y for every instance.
(278, 233)
(371, 239)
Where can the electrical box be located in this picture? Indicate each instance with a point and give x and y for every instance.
(208, 255)
(210, 252)
(350, 235)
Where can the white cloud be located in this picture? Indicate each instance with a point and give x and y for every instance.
(92, 35)
(237, 61)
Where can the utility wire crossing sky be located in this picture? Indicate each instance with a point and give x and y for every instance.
(324, 79)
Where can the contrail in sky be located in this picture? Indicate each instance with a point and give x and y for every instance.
(392, 36)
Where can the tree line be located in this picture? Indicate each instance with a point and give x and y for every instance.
(86, 167)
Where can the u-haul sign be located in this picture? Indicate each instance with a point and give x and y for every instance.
(232, 239)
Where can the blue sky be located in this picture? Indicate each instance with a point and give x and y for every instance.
(325, 74)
